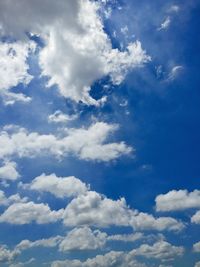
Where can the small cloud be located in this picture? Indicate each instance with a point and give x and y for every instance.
(175, 72)
(165, 25)
(174, 9)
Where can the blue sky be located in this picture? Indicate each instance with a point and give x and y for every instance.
(99, 133)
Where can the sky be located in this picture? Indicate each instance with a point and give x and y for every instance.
(99, 133)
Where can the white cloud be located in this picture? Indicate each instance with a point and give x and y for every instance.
(48, 243)
(9, 171)
(126, 237)
(196, 218)
(175, 72)
(161, 250)
(7, 255)
(96, 210)
(5, 201)
(165, 25)
(24, 213)
(111, 259)
(14, 70)
(197, 264)
(60, 117)
(196, 247)
(174, 8)
(74, 57)
(90, 145)
(60, 187)
(83, 239)
(22, 264)
(178, 200)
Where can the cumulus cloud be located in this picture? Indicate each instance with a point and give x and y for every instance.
(9, 171)
(178, 200)
(111, 259)
(97, 210)
(91, 144)
(14, 70)
(74, 36)
(7, 255)
(196, 218)
(24, 213)
(161, 250)
(83, 239)
(126, 237)
(60, 187)
(5, 201)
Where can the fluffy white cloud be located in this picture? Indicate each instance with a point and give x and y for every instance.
(77, 50)
(83, 239)
(14, 70)
(60, 117)
(161, 250)
(24, 213)
(196, 218)
(178, 200)
(196, 247)
(9, 171)
(97, 210)
(87, 144)
(5, 201)
(111, 259)
(7, 255)
(60, 187)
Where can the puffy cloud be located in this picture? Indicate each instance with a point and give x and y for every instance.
(97, 210)
(196, 247)
(90, 146)
(7, 255)
(14, 70)
(24, 213)
(9, 171)
(22, 264)
(60, 117)
(74, 37)
(178, 200)
(83, 239)
(196, 218)
(60, 187)
(161, 250)
(5, 201)
(111, 259)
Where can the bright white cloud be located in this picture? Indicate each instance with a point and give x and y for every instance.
(83, 239)
(9, 171)
(24, 213)
(14, 70)
(5, 201)
(178, 200)
(126, 237)
(87, 144)
(60, 187)
(196, 218)
(97, 210)
(74, 57)
(196, 247)
(60, 117)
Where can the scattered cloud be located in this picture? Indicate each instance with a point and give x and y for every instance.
(90, 146)
(165, 25)
(196, 218)
(60, 117)
(178, 200)
(9, 171)
(196, 247)
(60, 187)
